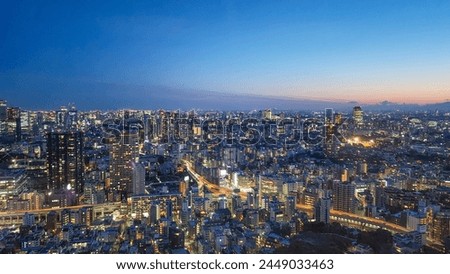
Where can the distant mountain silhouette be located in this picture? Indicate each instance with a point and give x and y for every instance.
(51, 94)
(388, 106)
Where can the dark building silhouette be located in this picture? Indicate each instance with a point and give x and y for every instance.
(3, 108)
(65, 161)
(322, 210)
(13, 126)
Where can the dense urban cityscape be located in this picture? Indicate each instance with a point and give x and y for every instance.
(224, 182)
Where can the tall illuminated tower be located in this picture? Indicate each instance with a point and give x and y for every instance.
(65, 161)
(358, 116)
(122, 155)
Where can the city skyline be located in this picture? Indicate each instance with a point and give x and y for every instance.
(225, 127)
(152, 53)
(266, 182)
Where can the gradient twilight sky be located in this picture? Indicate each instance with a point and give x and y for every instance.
(365, 51)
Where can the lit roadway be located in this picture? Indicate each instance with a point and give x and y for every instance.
(202, 182)
(350, 218)
(346, 218)
(40, 211)
(8, 218)
(337, 216)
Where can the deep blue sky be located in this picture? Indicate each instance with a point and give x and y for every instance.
(101, 53)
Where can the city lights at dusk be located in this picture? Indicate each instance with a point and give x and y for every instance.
(289, 135)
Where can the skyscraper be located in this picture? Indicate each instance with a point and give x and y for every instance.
(61, 117)
(3, 107)
(289, 208)
(65, 161)
(441, 226)
(329, 116)
(332, 141)
(185, 212)
(138, 179)
(25, 122)
(259, 190)
(13, 127)
(358, 116)
(322, 210)
(344, 196)
(72, 119)
(122, 156)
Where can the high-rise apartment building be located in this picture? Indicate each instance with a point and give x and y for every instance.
(290, 204)
(123, 154)
(65, 161)
(3, 107)
(322, 210)
(13, 126)
(441, 226)
(344, 196)
(138, 179)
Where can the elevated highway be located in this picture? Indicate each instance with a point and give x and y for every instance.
(10, 218)
(341, 217)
